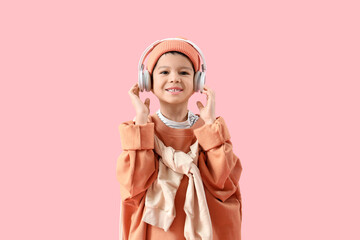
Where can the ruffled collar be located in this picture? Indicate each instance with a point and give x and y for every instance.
(192, 118)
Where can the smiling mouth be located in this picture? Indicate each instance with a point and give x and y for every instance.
(173, 90)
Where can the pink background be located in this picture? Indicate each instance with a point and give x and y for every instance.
(286, 76)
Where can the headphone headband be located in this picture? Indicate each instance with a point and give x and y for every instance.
(154, 44)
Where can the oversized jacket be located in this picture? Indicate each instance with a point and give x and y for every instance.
(137, 168)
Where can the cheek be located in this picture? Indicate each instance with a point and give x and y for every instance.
(156, 87)
(153, 83)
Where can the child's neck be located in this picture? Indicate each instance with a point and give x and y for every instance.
(177, 113)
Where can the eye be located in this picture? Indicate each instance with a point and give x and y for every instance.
(184, 73)
(164, 72)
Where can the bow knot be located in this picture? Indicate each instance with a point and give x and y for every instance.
(160, 197)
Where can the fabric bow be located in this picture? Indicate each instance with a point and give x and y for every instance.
(160, 197)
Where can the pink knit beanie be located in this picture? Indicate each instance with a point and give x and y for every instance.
(173, 45)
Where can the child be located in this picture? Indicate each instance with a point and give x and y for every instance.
(178, 174)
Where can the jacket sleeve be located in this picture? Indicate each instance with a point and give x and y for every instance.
(136, 165)
(220, 168)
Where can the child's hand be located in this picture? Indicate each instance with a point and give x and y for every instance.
(207, 113)
(142, 109)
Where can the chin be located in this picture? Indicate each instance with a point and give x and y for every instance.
(175, 101)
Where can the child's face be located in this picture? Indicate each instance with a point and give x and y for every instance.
(173, 70)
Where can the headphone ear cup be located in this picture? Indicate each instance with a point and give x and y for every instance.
(202, 81)
(196, 81)
(140, 81)
(144, 81)
(199, 81)
(147, 80)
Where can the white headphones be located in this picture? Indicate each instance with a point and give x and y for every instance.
(144, 75)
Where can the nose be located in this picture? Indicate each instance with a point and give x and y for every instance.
(174, 77)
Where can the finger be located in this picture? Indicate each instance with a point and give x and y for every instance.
(206, 92)
(207, 87)
(134, 93)
(209, 93)
(147, 102)
(133, 87)
(136, 90)
(199, 105)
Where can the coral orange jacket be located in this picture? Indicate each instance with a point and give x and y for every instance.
(137, 168)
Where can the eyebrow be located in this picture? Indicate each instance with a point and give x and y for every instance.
(180, 67)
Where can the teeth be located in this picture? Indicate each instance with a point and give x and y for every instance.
(174, 90)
